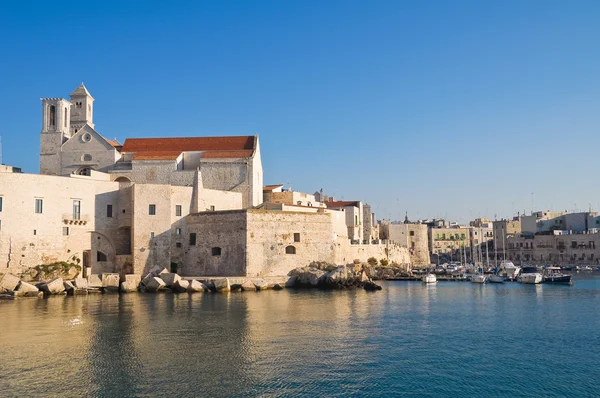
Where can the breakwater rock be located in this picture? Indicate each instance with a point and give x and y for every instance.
(393, 271)
(331, 276)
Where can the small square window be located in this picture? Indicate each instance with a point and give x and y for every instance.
(297, 237)
(216, 251)
(192, 239)
(178, 244)
(177, 231)
(35, 231)
(412, 233)
(212, 207)
(65, 231)
(178, 210)
(152, 210)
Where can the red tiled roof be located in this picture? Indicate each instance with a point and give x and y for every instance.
(271, 187)
(342, 203)
(227, 154)
(156, 155)
(191, 144)
(114, 142)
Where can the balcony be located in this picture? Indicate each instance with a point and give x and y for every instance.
(73, 219)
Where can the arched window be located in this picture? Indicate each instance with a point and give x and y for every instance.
(65, 117)
(52, 115)
(216, 251)
(290, 250)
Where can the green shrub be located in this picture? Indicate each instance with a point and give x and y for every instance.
(372, 261)
(384, 262)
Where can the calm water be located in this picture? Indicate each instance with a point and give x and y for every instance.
(452, 339)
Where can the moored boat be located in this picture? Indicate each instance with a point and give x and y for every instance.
(554, 275)
(495, 279)
(478, 278)
(429, 278)
(509, 270)
(530, 275)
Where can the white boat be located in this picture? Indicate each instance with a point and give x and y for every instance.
(509, 270)
(478, 278)
(429, 278)
(530, 275)
(495, 279)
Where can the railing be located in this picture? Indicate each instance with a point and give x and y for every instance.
(75, 219)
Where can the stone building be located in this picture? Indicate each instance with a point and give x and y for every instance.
(449, 240)
(412, 236)
(354, 217)
(557, 248)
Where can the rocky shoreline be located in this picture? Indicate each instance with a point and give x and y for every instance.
(316, 275)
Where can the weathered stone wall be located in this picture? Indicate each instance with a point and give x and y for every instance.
(76, 151)
(28, 239)
(414, 237)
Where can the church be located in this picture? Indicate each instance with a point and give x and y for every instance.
(192, 204)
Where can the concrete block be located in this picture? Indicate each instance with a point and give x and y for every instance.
(87, 272)
(28, 290)
(154, 284)
(110, 280)
(80, 283)
(222, 285)
(55, 286)
(94, 281)
(180, 285)
(8, 283)
(129, 286)
(169, 278)
(248, 286)
(196, 286)
(157, 270)
(69, 287)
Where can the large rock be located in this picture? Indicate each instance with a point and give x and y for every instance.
(248, 286)
(133, 278)
(80, 283)
(155, 284)
(129, 286)
(8, 283)
(371, 286)
(308, 276)
(222, 285)
(147, 278)
(55, 286)
(169, 278)
(260, 284)
(28, 290)
(291, 282)
(180, 286)
(195, 286)
(110, 280)
(94, 281)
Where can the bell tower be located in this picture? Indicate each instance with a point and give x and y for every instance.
(82, 108)
(56, 125)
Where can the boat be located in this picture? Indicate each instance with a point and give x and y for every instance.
(478, 278)
(495, 279)
(509, 270)
(554, 275)
(530, 275)
(429, 278)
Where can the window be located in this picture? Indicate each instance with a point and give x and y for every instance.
(39, 206)
(177, 231)
(178, 244)
(100, 256)
(0, 203)
(76, 210)
(151, 235)
(355, 220)
(52, 116)
(412, 233)
(212, 207)
(65, 117)
(152, 210)
(178, 210)
(290, 250)
(65, 231)
(216, 251)
(35, 232)
(108, 210)
(296, 237)
(192, 239)
(0, 225)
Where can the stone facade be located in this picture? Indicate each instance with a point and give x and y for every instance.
(414, 237)
(562, 249)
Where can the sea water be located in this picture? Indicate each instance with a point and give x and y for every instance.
(410, 339)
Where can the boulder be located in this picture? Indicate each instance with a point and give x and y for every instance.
(278, 286)
(8, 283)
(129, 286)
(154, 284)
(69, 287)
(80, 283)
(94, 281)
(55, 286)
(222, 285)
(28, 290)
(248, 286)
(195, 286)
(169, 278)
(371, 286)
(147, 279)
(260, 284)
(180, 286)
(308, 276)
(133, 278)
(110, 280)
(291, 282)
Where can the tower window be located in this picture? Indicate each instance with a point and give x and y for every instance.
(152, 210)
(52, 115)
(290, 250)
(192, 239)
(297, 237)
(39, 206)
(216, 251)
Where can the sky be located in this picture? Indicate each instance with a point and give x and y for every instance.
(452, 109)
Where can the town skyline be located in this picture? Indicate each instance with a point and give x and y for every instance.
(364, 111)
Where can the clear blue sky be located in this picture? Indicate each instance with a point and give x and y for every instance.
(456, 109)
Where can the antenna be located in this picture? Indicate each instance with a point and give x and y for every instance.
(1, 150)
